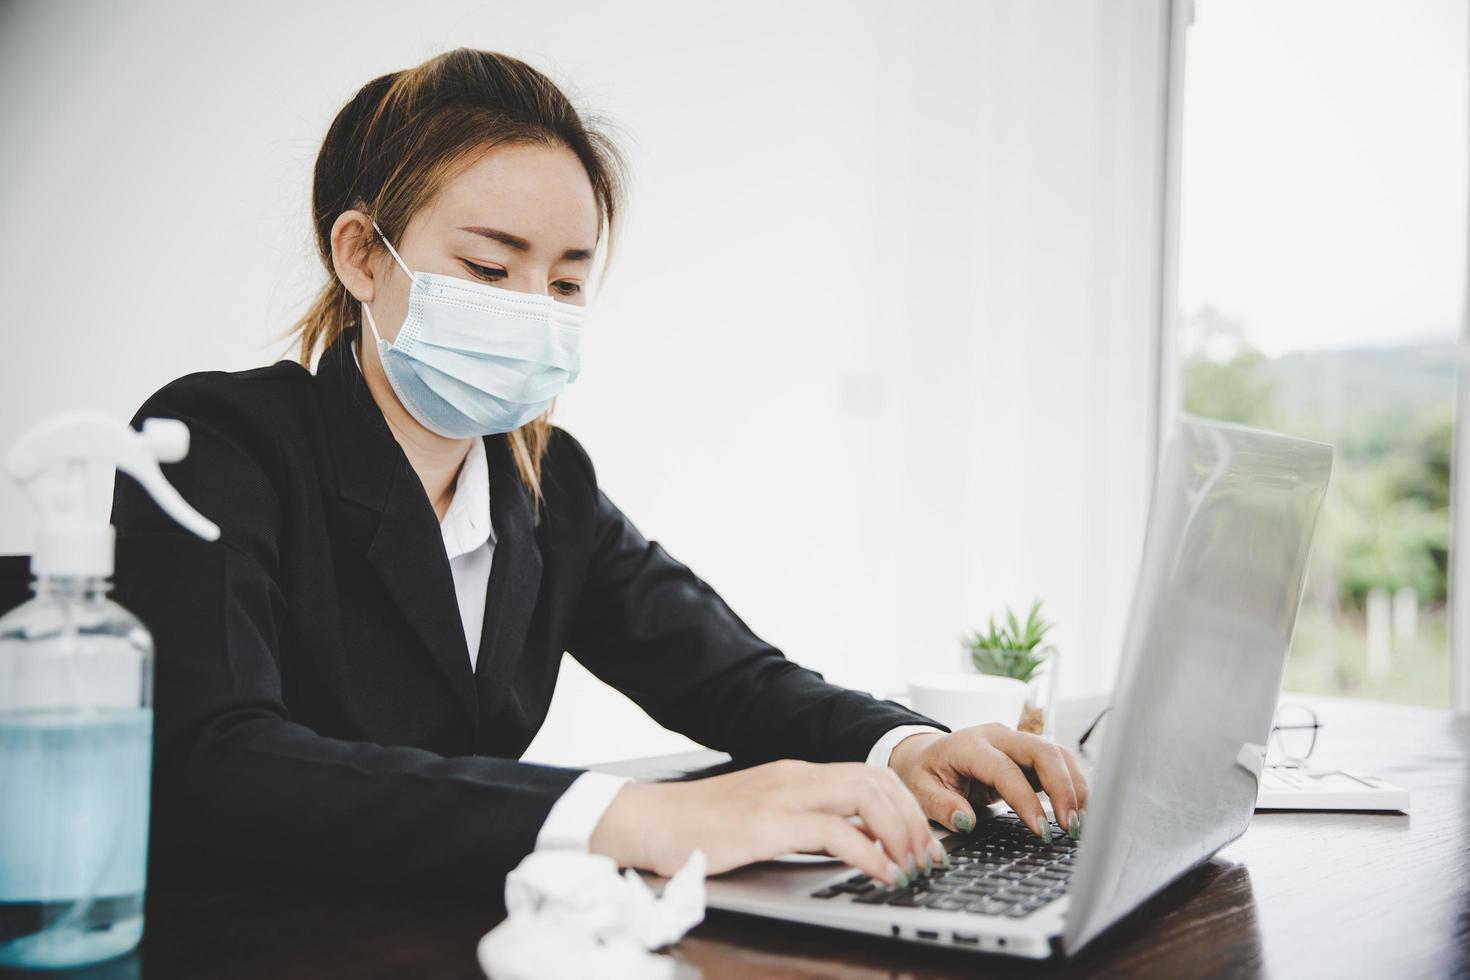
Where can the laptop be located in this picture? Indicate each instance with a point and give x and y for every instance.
(1224, 561)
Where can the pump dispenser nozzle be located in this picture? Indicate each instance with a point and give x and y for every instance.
(49, 461)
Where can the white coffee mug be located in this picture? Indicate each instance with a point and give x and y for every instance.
(961, 700)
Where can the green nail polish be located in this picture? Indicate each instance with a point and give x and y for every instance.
(903, 879)
(928, 865)
(896, 873)
(1081, 822)
(947, 862)
(1074, 826)
(962, 821)
(913, 869)
(1045, 829)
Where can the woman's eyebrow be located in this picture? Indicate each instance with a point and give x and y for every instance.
(520, 244)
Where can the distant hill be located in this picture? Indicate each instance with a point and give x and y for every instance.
(1374, 395)
(1321, 382)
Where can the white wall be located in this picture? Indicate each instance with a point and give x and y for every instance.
(874, 358)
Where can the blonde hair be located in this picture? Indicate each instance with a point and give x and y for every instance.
(392, 147)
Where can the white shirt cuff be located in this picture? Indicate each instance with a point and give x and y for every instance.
(883, 748)
(573, 817)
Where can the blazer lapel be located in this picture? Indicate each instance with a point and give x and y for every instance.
(396, 529)
(515, 581)
(408, 554)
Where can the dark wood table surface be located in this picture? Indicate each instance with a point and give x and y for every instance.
(1300, 895)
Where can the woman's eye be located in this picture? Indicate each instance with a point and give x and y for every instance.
(484, 272)
(494, 275)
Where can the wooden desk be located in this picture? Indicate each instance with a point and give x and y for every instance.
(1300, 895)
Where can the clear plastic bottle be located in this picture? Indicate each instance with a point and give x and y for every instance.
(76, 709)
(76, 734)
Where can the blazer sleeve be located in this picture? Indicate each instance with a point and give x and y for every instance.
(654, 630)
(235, 779)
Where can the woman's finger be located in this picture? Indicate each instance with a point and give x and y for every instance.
(1050, 763)
(1000, 771)
(944, 803)
(1046, 760)
(884, 819)
(857, 789)
(928, 850)
(1079, 779)
(833, 834)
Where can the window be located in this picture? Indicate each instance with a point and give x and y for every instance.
(1321, 281)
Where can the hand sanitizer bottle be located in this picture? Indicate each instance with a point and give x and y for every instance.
(76, 695)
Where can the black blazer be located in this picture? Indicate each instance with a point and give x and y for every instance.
(316, 713)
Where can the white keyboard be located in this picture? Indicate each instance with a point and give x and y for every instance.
(1327, 789)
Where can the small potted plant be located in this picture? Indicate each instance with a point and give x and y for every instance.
(1015, 650)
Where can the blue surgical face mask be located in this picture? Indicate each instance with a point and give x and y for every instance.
(473, 359)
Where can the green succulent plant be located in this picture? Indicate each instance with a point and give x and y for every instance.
(1010, 650)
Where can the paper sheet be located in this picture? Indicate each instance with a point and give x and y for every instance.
(570, 914)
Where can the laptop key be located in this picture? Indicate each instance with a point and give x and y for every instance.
(969, 877)
(876, 897)
(972, 895)
(987, 883)
(987, 907)
(910, 899)
(947, 904)
(983, 884)
(826, 892)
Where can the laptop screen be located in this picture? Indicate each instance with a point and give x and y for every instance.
(1224, 564)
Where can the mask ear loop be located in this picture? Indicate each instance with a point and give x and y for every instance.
(394, 252)
(367, 313)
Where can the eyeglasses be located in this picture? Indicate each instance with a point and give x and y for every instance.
(1293, 734)
(1294, 731)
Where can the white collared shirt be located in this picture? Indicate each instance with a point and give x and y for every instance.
(469, 543)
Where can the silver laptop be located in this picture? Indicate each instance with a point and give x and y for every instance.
(1219, 586)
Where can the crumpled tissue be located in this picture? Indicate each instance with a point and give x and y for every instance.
(570, 914)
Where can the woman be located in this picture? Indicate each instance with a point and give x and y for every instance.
(346, 680)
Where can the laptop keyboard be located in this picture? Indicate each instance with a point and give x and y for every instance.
(1002, 869)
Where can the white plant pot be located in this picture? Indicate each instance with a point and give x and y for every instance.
(1037, 716)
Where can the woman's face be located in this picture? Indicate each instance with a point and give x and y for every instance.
(521, 217)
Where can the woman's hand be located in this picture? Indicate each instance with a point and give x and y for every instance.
(759, 813)
(952, 774)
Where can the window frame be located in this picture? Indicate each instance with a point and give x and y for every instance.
(1168, 387)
